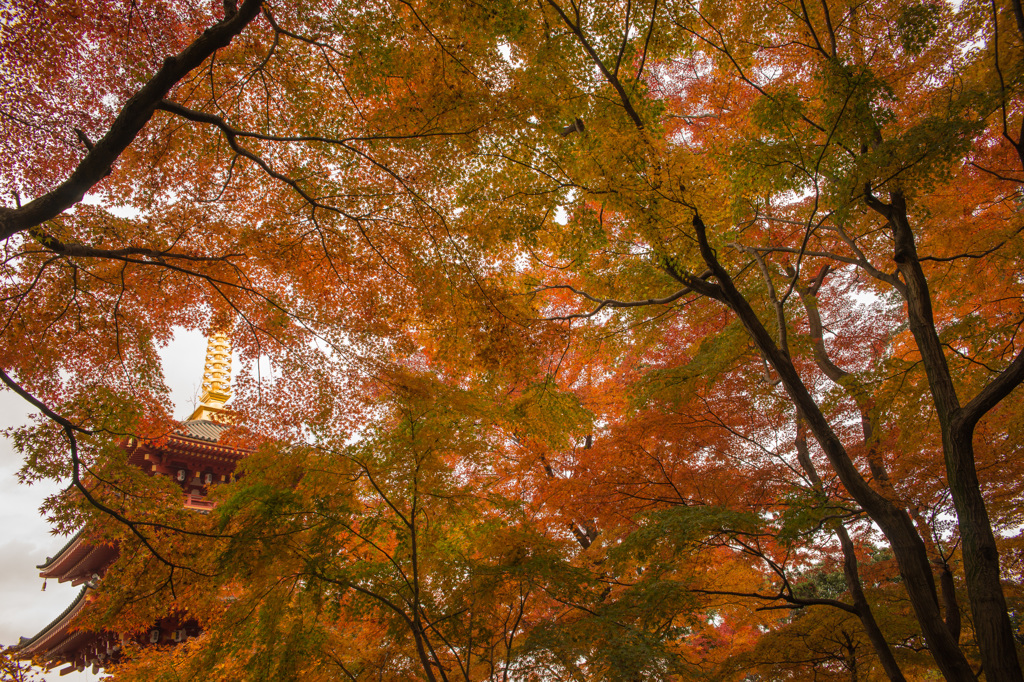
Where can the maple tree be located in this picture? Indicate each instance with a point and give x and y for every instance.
(13, 670)
(601, 332)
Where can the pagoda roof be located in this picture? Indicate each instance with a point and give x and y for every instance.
(51, 559)
(202, 429)
(195, 437)
(78, 560)
(51, 637)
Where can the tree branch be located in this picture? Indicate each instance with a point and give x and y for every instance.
(609, 76)
(132, 118)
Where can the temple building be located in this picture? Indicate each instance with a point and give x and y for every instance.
(192, 456)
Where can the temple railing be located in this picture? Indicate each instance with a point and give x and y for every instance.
(198, 502)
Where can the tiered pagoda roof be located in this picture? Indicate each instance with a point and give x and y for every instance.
(194, 457)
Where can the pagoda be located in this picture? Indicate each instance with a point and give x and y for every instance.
(193, 457)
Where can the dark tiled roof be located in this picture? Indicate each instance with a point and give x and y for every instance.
(202, 429)
(26, 641)
(67, 545)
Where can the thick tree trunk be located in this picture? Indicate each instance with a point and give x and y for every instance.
(992, 626)
(981, 558)
(895, 523)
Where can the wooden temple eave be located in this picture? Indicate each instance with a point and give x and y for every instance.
(69, 556)
(93, 563)
(78, 561)
(56, 637)
(60, 642)
(207, 448)
(188, 448)
(212, 457)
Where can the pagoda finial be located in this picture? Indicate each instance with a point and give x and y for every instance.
(216, 378)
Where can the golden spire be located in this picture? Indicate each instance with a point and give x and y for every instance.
(216, 379)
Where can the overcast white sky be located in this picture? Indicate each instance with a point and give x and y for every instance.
(25, 538)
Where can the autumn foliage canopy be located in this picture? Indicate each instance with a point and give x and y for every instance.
(633, 340)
